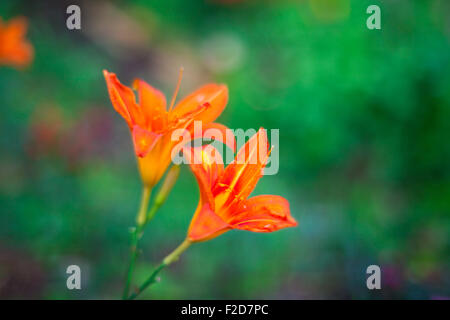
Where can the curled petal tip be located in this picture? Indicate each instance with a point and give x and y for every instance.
(106, 73)
(291, 221)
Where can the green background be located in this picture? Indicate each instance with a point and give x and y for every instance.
(364, 119)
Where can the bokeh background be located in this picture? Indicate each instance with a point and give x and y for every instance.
(364, 119)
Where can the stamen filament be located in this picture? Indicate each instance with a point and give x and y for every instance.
(180, 76)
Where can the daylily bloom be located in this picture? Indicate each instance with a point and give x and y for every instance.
(151, 124)
(224, 202)
(14, 49)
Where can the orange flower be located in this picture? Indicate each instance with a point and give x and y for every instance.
(224, 203)
(14, 49)
(151, 124)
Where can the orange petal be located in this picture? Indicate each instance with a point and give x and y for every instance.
(17, 27)
(206, 224)
(156, 162)
(143, 140)
(265, 213)
(241, 176)
(123, 100)
(215, 131)
(14, 49)
(153, 104)
(212, 98)
(220, 133)
(205, 161)
(205, 171)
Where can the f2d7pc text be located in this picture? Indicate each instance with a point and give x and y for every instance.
(246, 309)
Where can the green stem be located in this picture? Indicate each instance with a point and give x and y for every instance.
(149, 281)
(172, 257)
(155, 207)
(135, 236)
(142, 213)
(164, 191)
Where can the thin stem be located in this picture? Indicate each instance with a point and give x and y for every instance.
(148, 282)
(172, 257)
(142, 213)
(164, 191)
(135, 236)
(152, 211)
(157, 203)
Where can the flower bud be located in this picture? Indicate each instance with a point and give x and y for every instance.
(169, 182)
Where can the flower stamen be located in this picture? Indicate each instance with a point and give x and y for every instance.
(172, 102)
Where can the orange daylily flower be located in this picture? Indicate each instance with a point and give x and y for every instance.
(151, 124)
(224, 202)
(14, 49)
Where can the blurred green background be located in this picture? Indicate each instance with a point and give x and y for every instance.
(364, 119)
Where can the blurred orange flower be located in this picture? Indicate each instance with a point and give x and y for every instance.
(223, 192)
(14, 49)
(151, 124)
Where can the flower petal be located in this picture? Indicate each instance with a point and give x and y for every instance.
(14, 48)
(241, 176)
(215, 131)
(143, 140)
(206, 224)
(265, 213)
(205, 104)
(206, 165)
(123, 100)
(156, 162)
(17, 27)
(153, 104)
(209, 131)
